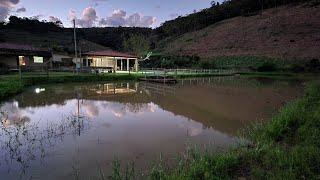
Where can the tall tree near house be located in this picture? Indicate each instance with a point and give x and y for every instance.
(137, 44)
(213, 3)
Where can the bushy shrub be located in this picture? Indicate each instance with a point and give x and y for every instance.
(162, 61)
(296, 67)
(4, 69)
(267, 66)
(313, 65)
(207, 65)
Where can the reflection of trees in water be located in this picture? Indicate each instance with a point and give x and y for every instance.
(239, 81)
(137, 107)
(23, 143)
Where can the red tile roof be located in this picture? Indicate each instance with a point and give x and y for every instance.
(20, 49)
(109, 53)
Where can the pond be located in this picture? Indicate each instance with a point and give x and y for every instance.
(63, 131)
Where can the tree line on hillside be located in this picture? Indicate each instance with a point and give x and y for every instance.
(112, 37)
(217, 12)
(31, 25)
(115, 37)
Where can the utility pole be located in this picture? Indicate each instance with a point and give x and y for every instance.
(75, 44)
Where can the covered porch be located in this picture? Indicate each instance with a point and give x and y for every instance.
(111, 61)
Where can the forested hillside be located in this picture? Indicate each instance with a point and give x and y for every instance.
(54, 36)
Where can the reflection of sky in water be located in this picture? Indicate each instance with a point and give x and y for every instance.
(139, 128)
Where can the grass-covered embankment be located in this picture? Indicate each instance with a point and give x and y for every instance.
(287, 147)
(11, 85)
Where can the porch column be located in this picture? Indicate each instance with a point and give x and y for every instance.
(128, 65)
(115, 65)
(136, 65)
(121, 65)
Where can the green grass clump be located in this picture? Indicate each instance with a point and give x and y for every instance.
(9, 88)
(252, 62)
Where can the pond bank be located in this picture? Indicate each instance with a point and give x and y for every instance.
(287, 147)
(10, 85)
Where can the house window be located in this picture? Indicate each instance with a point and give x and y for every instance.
(37, 59)
(84, 62)
(89, 62)
(22, 61)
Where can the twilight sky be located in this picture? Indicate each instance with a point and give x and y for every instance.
(88, 13)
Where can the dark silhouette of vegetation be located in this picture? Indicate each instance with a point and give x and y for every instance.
(137, 44)
(32, 25)
(163, 61)
(267, 66)
(112, 37)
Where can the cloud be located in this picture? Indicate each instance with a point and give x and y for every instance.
(116, 19)
(97, 2)
(120, 18)
(23, 9)
(9, 3)
(173, 16)
(88, 18)
(3, 13)
(39, 16)
(53, 19)
(72, 15)
(5, 8)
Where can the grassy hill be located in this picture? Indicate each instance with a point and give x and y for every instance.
(58, 41)
(61, 39)
(288, 32)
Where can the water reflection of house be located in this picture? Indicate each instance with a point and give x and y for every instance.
(112, 88)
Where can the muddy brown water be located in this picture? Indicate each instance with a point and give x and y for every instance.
(63, 131)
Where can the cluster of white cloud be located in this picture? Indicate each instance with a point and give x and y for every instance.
(88, 18)
(5, 7)
(22, 9)
(118, 17)
(53, 19)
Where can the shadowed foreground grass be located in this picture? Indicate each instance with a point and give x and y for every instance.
(287, 147)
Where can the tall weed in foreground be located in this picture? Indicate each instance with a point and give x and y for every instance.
(118, 174)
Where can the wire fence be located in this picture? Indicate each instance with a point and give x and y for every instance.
(177, 72)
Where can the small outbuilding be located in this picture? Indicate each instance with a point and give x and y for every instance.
(27, 56)
(61, 62)
(110, 60)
